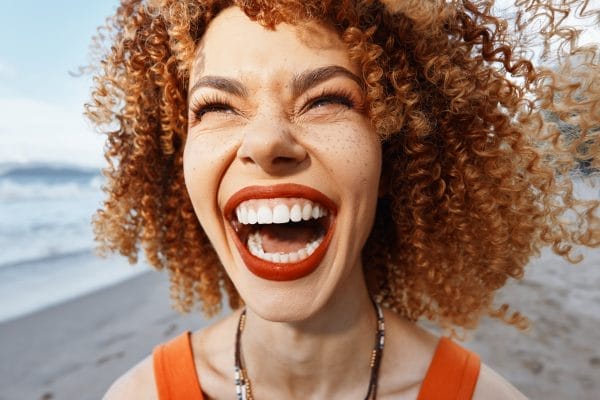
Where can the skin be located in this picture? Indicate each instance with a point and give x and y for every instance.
(268, 138)
(272, 135)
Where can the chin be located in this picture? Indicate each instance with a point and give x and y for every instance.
(287, 301)
(276, 308)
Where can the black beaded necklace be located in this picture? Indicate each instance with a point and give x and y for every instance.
(243, 387)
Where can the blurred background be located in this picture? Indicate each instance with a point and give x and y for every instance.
(50, 158)
(63, 337)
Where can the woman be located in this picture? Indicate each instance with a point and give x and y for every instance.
(331, 166)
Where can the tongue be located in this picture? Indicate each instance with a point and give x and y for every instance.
(285, 238)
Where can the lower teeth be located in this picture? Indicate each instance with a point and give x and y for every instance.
(256, 249)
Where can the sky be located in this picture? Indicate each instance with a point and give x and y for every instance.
(41, 104)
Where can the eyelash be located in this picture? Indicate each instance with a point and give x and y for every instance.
(339, 96)
(205, 104)
(214, 102)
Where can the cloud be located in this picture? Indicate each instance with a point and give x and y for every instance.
(7, 71)
(37, 131)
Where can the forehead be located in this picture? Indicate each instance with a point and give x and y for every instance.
(233, 45)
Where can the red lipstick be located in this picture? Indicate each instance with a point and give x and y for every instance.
(272, 270)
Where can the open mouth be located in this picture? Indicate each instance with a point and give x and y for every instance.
(282, 232)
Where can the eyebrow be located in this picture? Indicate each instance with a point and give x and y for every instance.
(228, 85)
(300, 82)
(308, 79)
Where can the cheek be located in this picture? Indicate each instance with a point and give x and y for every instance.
(205, 159)
(195, 172)
(359, 171)
(356, 160)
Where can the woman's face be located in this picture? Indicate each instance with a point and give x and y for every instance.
(281, 162)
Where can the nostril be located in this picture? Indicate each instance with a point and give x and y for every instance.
(284, 160)
(273, 150)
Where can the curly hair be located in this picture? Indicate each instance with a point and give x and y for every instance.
(475, 174)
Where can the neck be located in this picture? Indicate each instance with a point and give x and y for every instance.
(325, 356)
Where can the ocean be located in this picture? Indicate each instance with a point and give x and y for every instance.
(46, 239)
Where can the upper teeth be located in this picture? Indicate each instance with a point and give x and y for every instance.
(278, 211)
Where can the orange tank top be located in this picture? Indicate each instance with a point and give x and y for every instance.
(452, 374)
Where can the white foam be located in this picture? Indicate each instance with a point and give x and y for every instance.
(11, 191)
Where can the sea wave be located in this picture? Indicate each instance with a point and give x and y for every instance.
(46, 210)
(39, 181)
(11, 190)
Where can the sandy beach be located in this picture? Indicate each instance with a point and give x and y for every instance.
(74, 350)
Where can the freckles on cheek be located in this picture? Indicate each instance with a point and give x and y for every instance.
(360, 156)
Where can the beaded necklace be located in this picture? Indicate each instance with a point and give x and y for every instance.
(243, 387)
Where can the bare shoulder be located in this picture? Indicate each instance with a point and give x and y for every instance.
(137, 383)
(408, 356)
(492, 386)
(212, 349)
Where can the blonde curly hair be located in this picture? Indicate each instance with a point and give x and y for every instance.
(474, 176)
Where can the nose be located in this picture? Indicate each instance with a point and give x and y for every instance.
(268, 143)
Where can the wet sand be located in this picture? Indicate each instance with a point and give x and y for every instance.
(559, 357)
(76, 349)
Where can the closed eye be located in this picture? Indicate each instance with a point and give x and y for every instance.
(330, 98)
(326, 100)
(205, 106)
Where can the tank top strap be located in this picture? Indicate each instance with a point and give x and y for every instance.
(175, 370)
(452, 374)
